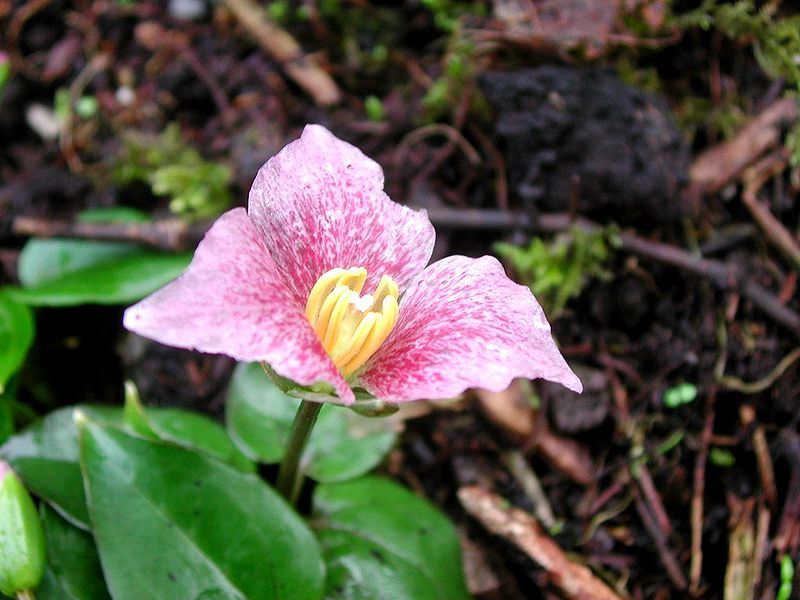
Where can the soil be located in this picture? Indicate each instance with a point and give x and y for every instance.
(528, 129)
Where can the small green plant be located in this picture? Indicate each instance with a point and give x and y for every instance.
(787, 575)
(374, 108)
(446, 13)
(458, 71)
(198, 188)
(721, 457)
(5, 71)
(678, 395)
(559, 270)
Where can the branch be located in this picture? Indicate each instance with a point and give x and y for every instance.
(284, 49)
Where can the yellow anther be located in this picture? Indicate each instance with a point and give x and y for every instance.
(351, 327)
(351, 278)
(386, 287)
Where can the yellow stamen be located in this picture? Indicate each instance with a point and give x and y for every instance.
(351, 327)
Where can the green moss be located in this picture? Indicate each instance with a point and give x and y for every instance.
(198, 188)
(559, 270)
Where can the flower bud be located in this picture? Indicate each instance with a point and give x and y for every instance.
(21, 536)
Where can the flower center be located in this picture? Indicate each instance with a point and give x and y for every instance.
(351, 327)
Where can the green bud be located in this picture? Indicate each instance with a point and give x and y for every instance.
(21, 536)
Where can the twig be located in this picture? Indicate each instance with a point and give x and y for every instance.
(518, 527)
(787, 538)
(527, 478)
(696, 515)
(724, 275)
(740, 570)
(665, 554)
(168, 234)
(754, 387)
(718, 166)
(763, 458)
(453, 135)
(776, 233)
(284, 49)
(761, 551)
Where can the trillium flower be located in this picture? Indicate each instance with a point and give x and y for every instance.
(324, 279)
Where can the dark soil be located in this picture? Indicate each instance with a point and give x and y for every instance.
(555, 129)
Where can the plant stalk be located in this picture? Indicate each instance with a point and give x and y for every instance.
(289, 473)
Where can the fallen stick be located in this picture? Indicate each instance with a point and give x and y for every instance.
(775, 231)
(718, 166)
(522, 530)
(668, 559)
(698, 494)
(285, 50)
(175, 235)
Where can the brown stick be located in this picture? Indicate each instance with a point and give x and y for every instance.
(518, 527)
(718, 166)
(763, 458)
(168, 234)
(175, 236)
(776, 233)
(666, 555)
(696, 515)
(284, 49)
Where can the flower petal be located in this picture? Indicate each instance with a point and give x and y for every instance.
(232, 300)
(320, 205)
(465, 324)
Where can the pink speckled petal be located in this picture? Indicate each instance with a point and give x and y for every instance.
(320, 205)
(232, 300)
(464, 324)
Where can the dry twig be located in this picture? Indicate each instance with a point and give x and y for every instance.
(718, 166)
(696, 515)
(777, 234)
(521, 529)
(284, 49)
(763, 458)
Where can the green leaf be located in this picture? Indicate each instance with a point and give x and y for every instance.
(343, 445)
(73, 569)
(172, 523)
(16, 335)
(46, 454)
(380, 540)
(197, 432)
(123, 280)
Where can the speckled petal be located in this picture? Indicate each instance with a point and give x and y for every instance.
(232, 300)
(465, 324)
(320, 205)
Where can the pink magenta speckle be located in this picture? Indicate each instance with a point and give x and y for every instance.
(317, 205)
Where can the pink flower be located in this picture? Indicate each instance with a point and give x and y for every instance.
(282, 284)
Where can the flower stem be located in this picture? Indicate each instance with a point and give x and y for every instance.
(289, 473)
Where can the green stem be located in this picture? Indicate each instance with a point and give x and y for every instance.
(289, 473)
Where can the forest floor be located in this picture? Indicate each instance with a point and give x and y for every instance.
(644, 155)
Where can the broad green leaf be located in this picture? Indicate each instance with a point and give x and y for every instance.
(380, 540)
(120, 281)
(16, 335)
(197, 432)
(172, 523)
(46, 454)
(188, 429)
(73, 569)
(343, 445)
